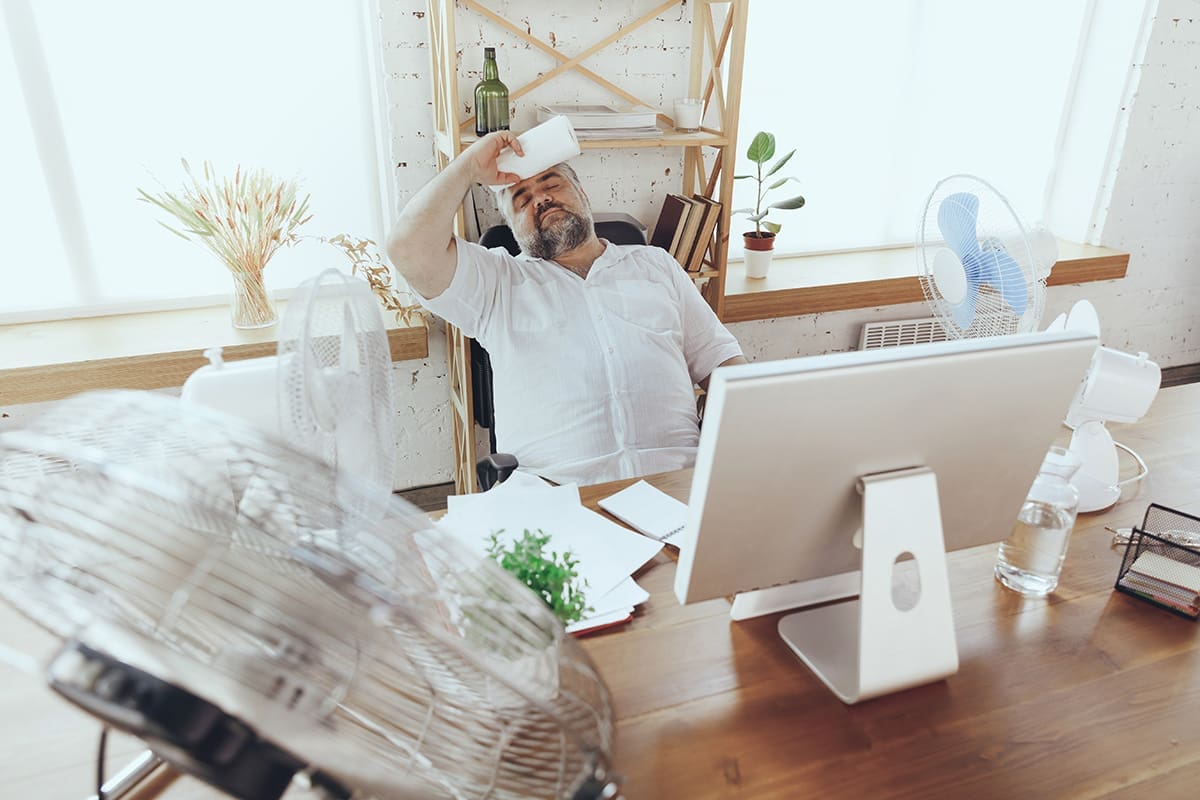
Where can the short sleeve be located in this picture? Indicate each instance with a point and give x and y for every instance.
(470, 300)
(706, 342)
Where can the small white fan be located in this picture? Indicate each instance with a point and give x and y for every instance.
(336, 398)
(1118, 387)
(212, 601)
(982, 271)
(328, 391)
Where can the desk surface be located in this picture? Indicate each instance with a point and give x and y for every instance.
(1087, 693)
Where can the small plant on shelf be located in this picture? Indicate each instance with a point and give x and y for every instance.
(760, 242)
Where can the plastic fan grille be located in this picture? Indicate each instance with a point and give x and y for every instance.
(1002, 292)
(335, 379)
(192, 547)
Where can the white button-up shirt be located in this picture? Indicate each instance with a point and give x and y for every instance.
(593, 377)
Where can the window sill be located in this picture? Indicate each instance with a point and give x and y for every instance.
(799, 285)
(50, 360)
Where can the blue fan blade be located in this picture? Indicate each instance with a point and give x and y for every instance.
(957, 222)
(964, 312)
(1010, 280)
(977, 266)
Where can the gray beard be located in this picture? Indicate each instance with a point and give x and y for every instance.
(563, 233)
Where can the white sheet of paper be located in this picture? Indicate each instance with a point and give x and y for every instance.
(607, 553)
(596, 622)
(625, 594)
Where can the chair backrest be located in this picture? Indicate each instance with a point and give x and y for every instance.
(625, 230)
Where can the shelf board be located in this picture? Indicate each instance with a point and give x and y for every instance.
(704, 137)
(50, 360)
(813, 284)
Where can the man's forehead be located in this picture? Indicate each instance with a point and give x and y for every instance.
(532, 181)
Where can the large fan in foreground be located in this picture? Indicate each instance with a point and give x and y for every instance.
(214, 601)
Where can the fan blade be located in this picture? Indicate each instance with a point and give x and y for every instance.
(957, 222)
(964, 312)
(1010, 280)
(349, 358)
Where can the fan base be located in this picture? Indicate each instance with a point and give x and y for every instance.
(188, 732)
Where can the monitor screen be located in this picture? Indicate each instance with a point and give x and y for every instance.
(784, 444)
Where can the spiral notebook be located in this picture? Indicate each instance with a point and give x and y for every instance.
(648, 511)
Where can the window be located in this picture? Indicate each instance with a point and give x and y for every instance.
(883, 99)
(100, 99)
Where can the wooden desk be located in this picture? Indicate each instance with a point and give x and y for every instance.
(1085, 694)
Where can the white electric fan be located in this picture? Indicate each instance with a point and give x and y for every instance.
(328, 391)
(212, 601)
(982, 271)
(1118, 387)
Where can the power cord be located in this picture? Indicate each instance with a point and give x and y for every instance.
(100, 750)
(1145, 470)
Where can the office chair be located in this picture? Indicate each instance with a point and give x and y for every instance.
(496, 467)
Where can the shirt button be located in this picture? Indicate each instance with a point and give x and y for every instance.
(610, 351)
(599, 316)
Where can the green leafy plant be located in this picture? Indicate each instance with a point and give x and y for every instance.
(553, 578)
(762, 150)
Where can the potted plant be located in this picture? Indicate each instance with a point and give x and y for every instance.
(760, 242)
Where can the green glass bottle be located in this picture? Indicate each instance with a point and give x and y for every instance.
(491, 97)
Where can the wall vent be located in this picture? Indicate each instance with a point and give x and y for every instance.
(902, 331)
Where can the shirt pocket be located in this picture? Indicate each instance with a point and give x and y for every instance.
(649, 305)
(536, 308)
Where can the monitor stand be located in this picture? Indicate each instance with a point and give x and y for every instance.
(868, 647)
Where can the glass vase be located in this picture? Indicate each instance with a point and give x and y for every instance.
(252, 307)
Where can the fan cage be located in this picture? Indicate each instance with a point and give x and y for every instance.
(999, 228)
(335, 395)
(374, 648)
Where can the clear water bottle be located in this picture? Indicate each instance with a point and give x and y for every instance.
(1032, 557)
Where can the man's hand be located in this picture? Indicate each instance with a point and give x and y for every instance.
(421, 245)
(480, 158)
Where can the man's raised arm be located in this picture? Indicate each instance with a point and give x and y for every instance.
(421, 244)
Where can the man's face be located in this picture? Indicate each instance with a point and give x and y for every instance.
(549, 214)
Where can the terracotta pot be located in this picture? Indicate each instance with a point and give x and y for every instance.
(758, 250)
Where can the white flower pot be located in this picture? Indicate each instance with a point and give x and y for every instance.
(757, 262)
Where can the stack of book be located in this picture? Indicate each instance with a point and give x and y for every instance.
(685, 228)
(602, 121)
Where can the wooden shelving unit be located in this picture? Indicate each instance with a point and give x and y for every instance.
(715, 74)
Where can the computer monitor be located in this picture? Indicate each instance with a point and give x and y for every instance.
(821, 476)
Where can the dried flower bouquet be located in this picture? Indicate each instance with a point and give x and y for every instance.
(243, 221)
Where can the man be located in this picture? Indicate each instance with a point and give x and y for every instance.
(595, 347)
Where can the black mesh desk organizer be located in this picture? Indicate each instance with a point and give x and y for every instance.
(1168, 534)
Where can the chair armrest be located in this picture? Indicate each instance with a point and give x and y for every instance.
(494, 469)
